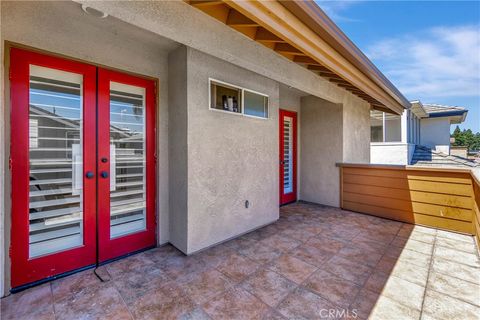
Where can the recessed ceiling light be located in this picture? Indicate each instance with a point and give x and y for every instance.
(94, 12)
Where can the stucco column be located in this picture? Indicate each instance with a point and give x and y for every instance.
(404, 127)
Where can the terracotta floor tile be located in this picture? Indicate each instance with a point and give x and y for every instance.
(339, 291)
(404, 292)
(348, 270)
(273, 315)
(281, 243)
(386, 308)
(346, 235)
(269, 286)
(466, 246)
(457, 270)
(298, 234)
(133, 285)
(407, 271)
(120, 267)
(457, 256)
(414, 245)
(413, 257)
(360, 255)
(183, 268)
(303, 304)
(99, 302)
(162, 253)
(364, 303)
(167, 302)
(292, 268)
(212, 257)
(312, 255)
(240, 243)
(440, 306)
(454, 236)
(326, 244)
(63, 288)
(237, 267)
(236, 303)
(260, 253)
(453, 287)
(207, 285)
(35, 303)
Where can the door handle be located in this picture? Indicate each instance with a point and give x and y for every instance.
(282, 163)
(104, 174)
(89, 175)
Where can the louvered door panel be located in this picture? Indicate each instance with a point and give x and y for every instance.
(55, 149)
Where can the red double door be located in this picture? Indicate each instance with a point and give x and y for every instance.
(82, 161)
(288, 156)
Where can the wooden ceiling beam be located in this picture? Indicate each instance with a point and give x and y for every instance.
(236, 19)
(266, 36)
(287, 48)
(204, 3)
(306, 60)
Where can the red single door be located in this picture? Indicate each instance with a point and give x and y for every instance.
(53, 165)
(288, 156)
(126, 163)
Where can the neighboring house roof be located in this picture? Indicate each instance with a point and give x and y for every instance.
(432, 110)
(424, 156)
(303, 33)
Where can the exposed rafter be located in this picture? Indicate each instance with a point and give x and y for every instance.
(233, 14)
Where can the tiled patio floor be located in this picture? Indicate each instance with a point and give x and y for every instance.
(313, 261)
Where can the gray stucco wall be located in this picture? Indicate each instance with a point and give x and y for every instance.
(356, 129)
(63, 28)
(178, 152)
(231, 158)
(322, 147)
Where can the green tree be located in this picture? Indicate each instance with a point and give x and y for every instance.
(466, 138)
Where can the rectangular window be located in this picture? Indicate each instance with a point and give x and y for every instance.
(230, 98)
(225, 97)
(255, 104)
(376, 126)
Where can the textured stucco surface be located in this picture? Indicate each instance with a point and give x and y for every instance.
(178, 157)
(435, 134)
(63, 28)
(231, 158)
(356, 129)
(178, 21)
(322, 147)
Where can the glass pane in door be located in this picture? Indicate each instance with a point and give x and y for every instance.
(56, 166)
(127, 165)
(287, 155)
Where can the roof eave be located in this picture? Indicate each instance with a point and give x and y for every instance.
(316, 19)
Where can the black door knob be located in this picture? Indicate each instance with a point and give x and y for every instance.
(104, 174)
(104, 160)
(89, 175)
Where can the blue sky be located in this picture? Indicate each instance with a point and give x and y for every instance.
(429, 49)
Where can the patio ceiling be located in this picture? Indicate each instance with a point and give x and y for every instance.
(301, 32)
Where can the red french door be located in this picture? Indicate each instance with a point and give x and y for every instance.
(288, 156)
(75, 161)
(126, 164)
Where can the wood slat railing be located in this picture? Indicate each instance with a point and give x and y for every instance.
(437, 197)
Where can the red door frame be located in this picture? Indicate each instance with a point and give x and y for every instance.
(292, 196)
(25, 270)
(112, 248)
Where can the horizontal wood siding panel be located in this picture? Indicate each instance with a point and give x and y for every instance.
(417, 185)
(464, 202)
(410, 206)
(410, 217)
(450, 177)
(445, 200)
